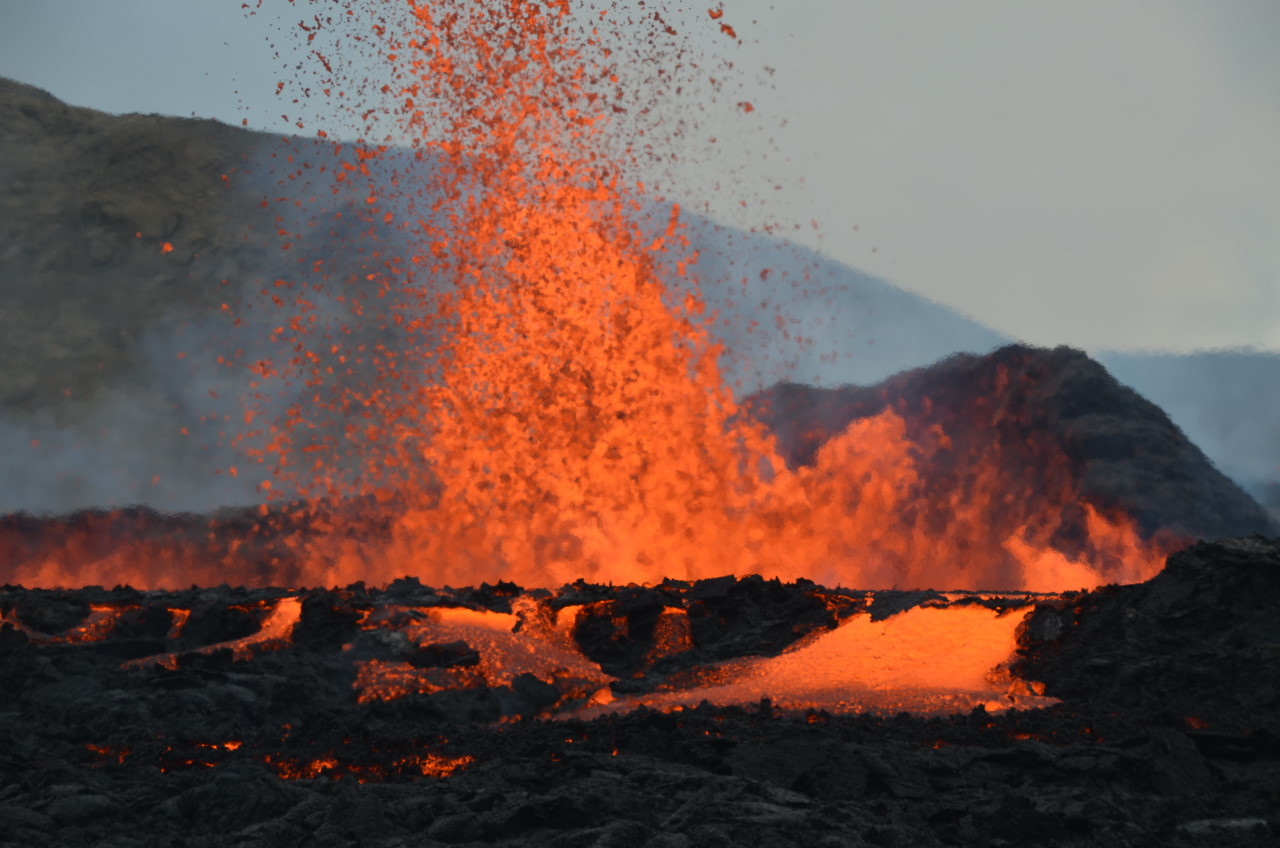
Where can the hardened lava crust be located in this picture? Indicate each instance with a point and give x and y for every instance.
(216, 716)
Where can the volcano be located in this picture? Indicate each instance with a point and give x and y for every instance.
(524, 550)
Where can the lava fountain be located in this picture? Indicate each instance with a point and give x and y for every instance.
(556, 409)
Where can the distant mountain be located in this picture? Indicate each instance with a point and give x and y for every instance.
(108, 339)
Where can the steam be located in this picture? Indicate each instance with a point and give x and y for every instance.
(167, 432)
(126, 446)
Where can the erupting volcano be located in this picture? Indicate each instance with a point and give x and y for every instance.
(554, 407)
(556, 411)
(525, 390)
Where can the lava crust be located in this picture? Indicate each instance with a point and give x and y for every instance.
(137, 718)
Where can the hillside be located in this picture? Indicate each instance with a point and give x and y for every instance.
(1123, 450)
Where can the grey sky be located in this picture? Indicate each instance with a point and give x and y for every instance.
(1104, 173)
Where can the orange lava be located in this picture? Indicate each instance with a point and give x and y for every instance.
(556, 410)
(179, 624)
(96, 626)
(273, 634)
(923, 660)
(426, 764)
(508, 645)
(553, 408)
(109, 753)
(943, 657)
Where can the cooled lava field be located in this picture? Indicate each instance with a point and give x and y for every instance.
(413, 716)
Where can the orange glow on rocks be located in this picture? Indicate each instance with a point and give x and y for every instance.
(424, 764)
(276, 627)
(527, 642)
(95, 627)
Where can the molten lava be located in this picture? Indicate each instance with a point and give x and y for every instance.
(95, 627)
(555, 408)
(274, 631)
(923, 660)
(565, 655)
(552, 407)
(425, 764)
(505, 647)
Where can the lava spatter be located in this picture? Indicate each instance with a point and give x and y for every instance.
(553, 408)
(525, 383)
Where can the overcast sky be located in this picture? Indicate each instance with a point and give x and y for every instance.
(1103, 173)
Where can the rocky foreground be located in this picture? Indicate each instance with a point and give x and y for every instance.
(234, 716)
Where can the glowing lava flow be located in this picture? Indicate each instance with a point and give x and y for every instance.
(96, 626)
(424, 764)
(922, 660)
(507, 646)
(273, 633)
(945, 656)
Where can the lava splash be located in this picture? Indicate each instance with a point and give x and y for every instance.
(533, 390)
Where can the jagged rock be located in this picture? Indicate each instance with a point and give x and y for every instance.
(806, 766)
(1167, 646)
(457, 828)
(1130, 662)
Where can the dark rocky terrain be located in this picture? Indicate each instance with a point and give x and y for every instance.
(1168, 732)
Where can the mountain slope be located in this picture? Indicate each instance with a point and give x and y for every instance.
(110, 339)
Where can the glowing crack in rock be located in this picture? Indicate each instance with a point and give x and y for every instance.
(274, 632)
